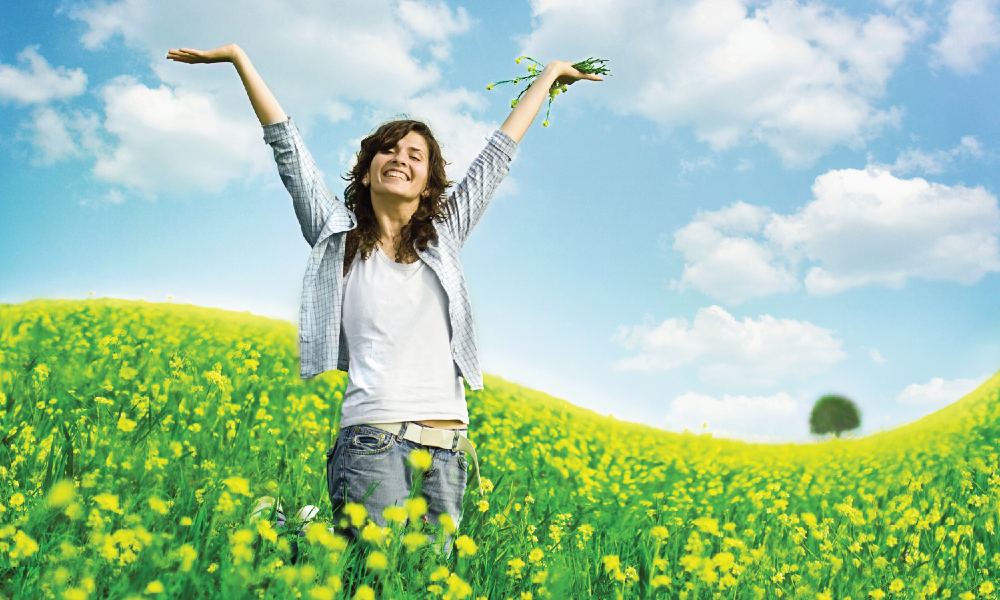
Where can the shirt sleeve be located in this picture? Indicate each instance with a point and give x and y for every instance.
(311, 199)
(472, 195)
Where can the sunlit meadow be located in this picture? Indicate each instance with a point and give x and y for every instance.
(136, 437)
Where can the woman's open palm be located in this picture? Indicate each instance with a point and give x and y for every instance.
(191, 55)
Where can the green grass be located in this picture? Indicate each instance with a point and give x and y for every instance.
(158, 405)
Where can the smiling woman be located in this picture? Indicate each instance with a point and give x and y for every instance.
(402, 326)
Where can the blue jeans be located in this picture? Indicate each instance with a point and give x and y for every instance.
(368, 458)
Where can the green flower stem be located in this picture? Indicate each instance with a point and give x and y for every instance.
(590, 65)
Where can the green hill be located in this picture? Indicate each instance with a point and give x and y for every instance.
(155, 412)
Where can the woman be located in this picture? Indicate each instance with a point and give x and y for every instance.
(384, 296)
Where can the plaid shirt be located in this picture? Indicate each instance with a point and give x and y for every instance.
(325, 221)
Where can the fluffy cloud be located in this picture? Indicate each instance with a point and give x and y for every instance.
(434, 22)
(934, 162)
(723, 261)
(155, 131)
(869, 227)
(862, 227)
(319, 60)
(38, 82)
(938, 392)
(799, 78)
(727, 351)
(774, 418)
(971, 35)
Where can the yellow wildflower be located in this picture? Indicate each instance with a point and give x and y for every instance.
(373, 533)
(158, 505)
(707, 524)
(448, 523)
(108, 502)
(515, 564)
(377, 561)
(356, 512)
(126, 424)
(61, 493)
(237, 485)
(321, 592)
(154, 587)
(466, 546)
(535, 556)
(413, 540)
(394, 514)
(415, 507)
(187, 554)
(267, 531)
(24, 546)
(75, 593)
(420, 459)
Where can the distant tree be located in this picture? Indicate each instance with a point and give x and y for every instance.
(834, 413)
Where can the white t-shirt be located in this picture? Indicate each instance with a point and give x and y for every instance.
(399, 342)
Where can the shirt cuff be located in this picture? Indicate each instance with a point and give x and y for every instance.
(278, 132)
(503, 142)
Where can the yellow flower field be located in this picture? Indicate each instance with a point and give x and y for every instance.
(136, 437)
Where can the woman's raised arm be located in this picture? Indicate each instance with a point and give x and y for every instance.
(263, 101)
(312, 201)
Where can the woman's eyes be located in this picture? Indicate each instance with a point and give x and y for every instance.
(417, 158)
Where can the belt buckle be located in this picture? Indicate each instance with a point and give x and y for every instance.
(432, 437)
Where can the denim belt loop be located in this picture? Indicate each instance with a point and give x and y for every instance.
(402, 430)
(454, 441)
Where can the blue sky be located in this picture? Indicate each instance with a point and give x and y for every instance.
(763, 203)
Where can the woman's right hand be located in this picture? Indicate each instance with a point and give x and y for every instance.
(190, 55)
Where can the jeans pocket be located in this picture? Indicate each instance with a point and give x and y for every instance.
(369, 440)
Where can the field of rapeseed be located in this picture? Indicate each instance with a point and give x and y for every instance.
(136, 437)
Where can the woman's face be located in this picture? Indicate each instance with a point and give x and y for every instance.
(401, 171)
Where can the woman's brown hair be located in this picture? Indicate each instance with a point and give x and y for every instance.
(419, 231)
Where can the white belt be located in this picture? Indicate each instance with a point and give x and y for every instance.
(437, 437)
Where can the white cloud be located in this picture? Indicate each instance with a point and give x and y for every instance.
(876, 356)
(971, 35)
(938, 392)
(701, 163)
(59, 136)
(434, 22)
(156, 133)
(727, 351)
(934, 162)
(798, 78)
(862, 227)
(774, 418)
(319, 60)
(52, 138)
(868, 227)
(37, 82)
(723, 262)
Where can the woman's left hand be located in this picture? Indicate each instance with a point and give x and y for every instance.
(567, 74)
